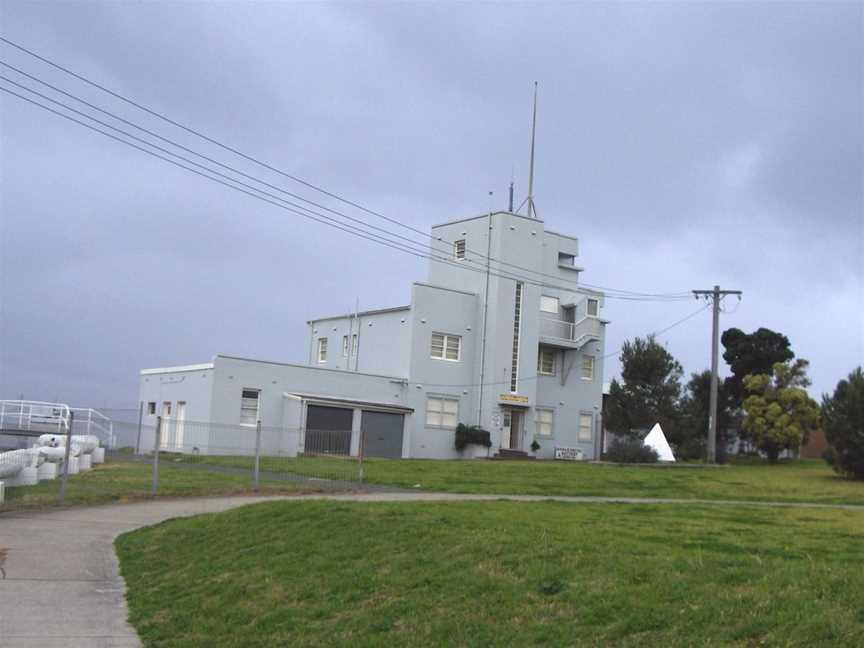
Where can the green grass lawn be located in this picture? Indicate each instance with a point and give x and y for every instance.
(498, 574)
(121, 480)
(798, 481)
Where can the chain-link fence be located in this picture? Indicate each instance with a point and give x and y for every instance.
(126, 457)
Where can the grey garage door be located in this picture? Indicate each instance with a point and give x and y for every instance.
(383, 434)
(328, 430)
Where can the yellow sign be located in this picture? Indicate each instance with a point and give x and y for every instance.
(513, 398)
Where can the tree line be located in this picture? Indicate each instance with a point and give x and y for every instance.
(763, 403)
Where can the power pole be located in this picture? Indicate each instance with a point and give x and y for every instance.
(716, 295)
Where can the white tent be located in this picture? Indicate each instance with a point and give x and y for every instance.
(657, 440)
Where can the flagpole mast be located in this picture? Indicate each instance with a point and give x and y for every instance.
(531, 211)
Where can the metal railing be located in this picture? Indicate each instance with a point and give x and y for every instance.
(91, 421)
(37, 417)
(586, 329)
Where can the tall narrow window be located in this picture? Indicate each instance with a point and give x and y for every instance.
(249, 406)
(459, 249)
(593, 307)
(446, 347)
(586, 425)
(546, 362)
(517, 325)
(151, 408)
(354, 344)
(322, 349)
(344, 346)
(587, 367)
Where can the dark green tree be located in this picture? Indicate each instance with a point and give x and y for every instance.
(751, 354)
(843, 421)
(691, 435)
(649, 390)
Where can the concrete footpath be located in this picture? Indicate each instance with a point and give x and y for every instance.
(63, 587)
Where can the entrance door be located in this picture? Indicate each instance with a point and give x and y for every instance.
(164, 440)
(382, 433)
(179, 420)
(511, 435)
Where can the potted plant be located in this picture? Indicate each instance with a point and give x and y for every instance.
(473, 435)
(535, 446)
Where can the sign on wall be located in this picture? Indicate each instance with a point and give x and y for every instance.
(513, 398)
(569, 454)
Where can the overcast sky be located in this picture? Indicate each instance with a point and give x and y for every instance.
(684, 144)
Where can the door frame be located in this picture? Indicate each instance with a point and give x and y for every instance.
(516, 415)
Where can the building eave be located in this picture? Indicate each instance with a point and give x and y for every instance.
(177, 369)
(379, 311)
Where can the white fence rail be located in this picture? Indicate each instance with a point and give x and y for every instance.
(34, 416)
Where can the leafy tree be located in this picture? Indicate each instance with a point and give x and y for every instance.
(690, 438)
(749, 354)
(780, 413)
(649, 391)
(843, 421)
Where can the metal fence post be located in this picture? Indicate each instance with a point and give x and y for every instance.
(140, 420)
(156, 443)
(257, 452)
(65, 476)
(362, 447)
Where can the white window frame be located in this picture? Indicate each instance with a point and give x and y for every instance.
(244, 419)
(435, 407)
(545, 304)
(579, 436)
(353, 344)
(322, 349)
(596, 303)
(567, 259)
(344, 346)
(592, 362)
(151, 408)
(445, 339)
(459, 249)
(554, 370)
(538, 423)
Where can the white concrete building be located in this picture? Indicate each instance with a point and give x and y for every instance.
(514, 345)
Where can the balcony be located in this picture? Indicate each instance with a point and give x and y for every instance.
(570, 335)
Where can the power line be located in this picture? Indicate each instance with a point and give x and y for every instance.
(291, 207)
(661, 331)
(288, 175)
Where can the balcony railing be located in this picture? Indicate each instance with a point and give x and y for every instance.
(586, 329)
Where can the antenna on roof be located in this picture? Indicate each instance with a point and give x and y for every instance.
(532, 212)
(510, 207)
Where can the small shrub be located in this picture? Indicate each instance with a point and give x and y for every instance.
(829, 454)
(535, 446)
(471, 435)
(631, 451)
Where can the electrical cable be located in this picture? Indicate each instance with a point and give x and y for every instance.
(285, 174)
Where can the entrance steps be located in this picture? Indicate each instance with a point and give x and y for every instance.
(505, 454)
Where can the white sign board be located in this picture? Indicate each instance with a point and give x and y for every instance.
(568, 454)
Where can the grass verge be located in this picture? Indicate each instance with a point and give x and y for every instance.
(497, 574)
(121, 480)
(798, 481)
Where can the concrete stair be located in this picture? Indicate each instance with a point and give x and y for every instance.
(505, 454)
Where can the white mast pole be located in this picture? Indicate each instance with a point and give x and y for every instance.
(531, 210)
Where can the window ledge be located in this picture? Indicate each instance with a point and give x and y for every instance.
(575, 268)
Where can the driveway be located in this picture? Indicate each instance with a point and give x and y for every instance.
(63, 587)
